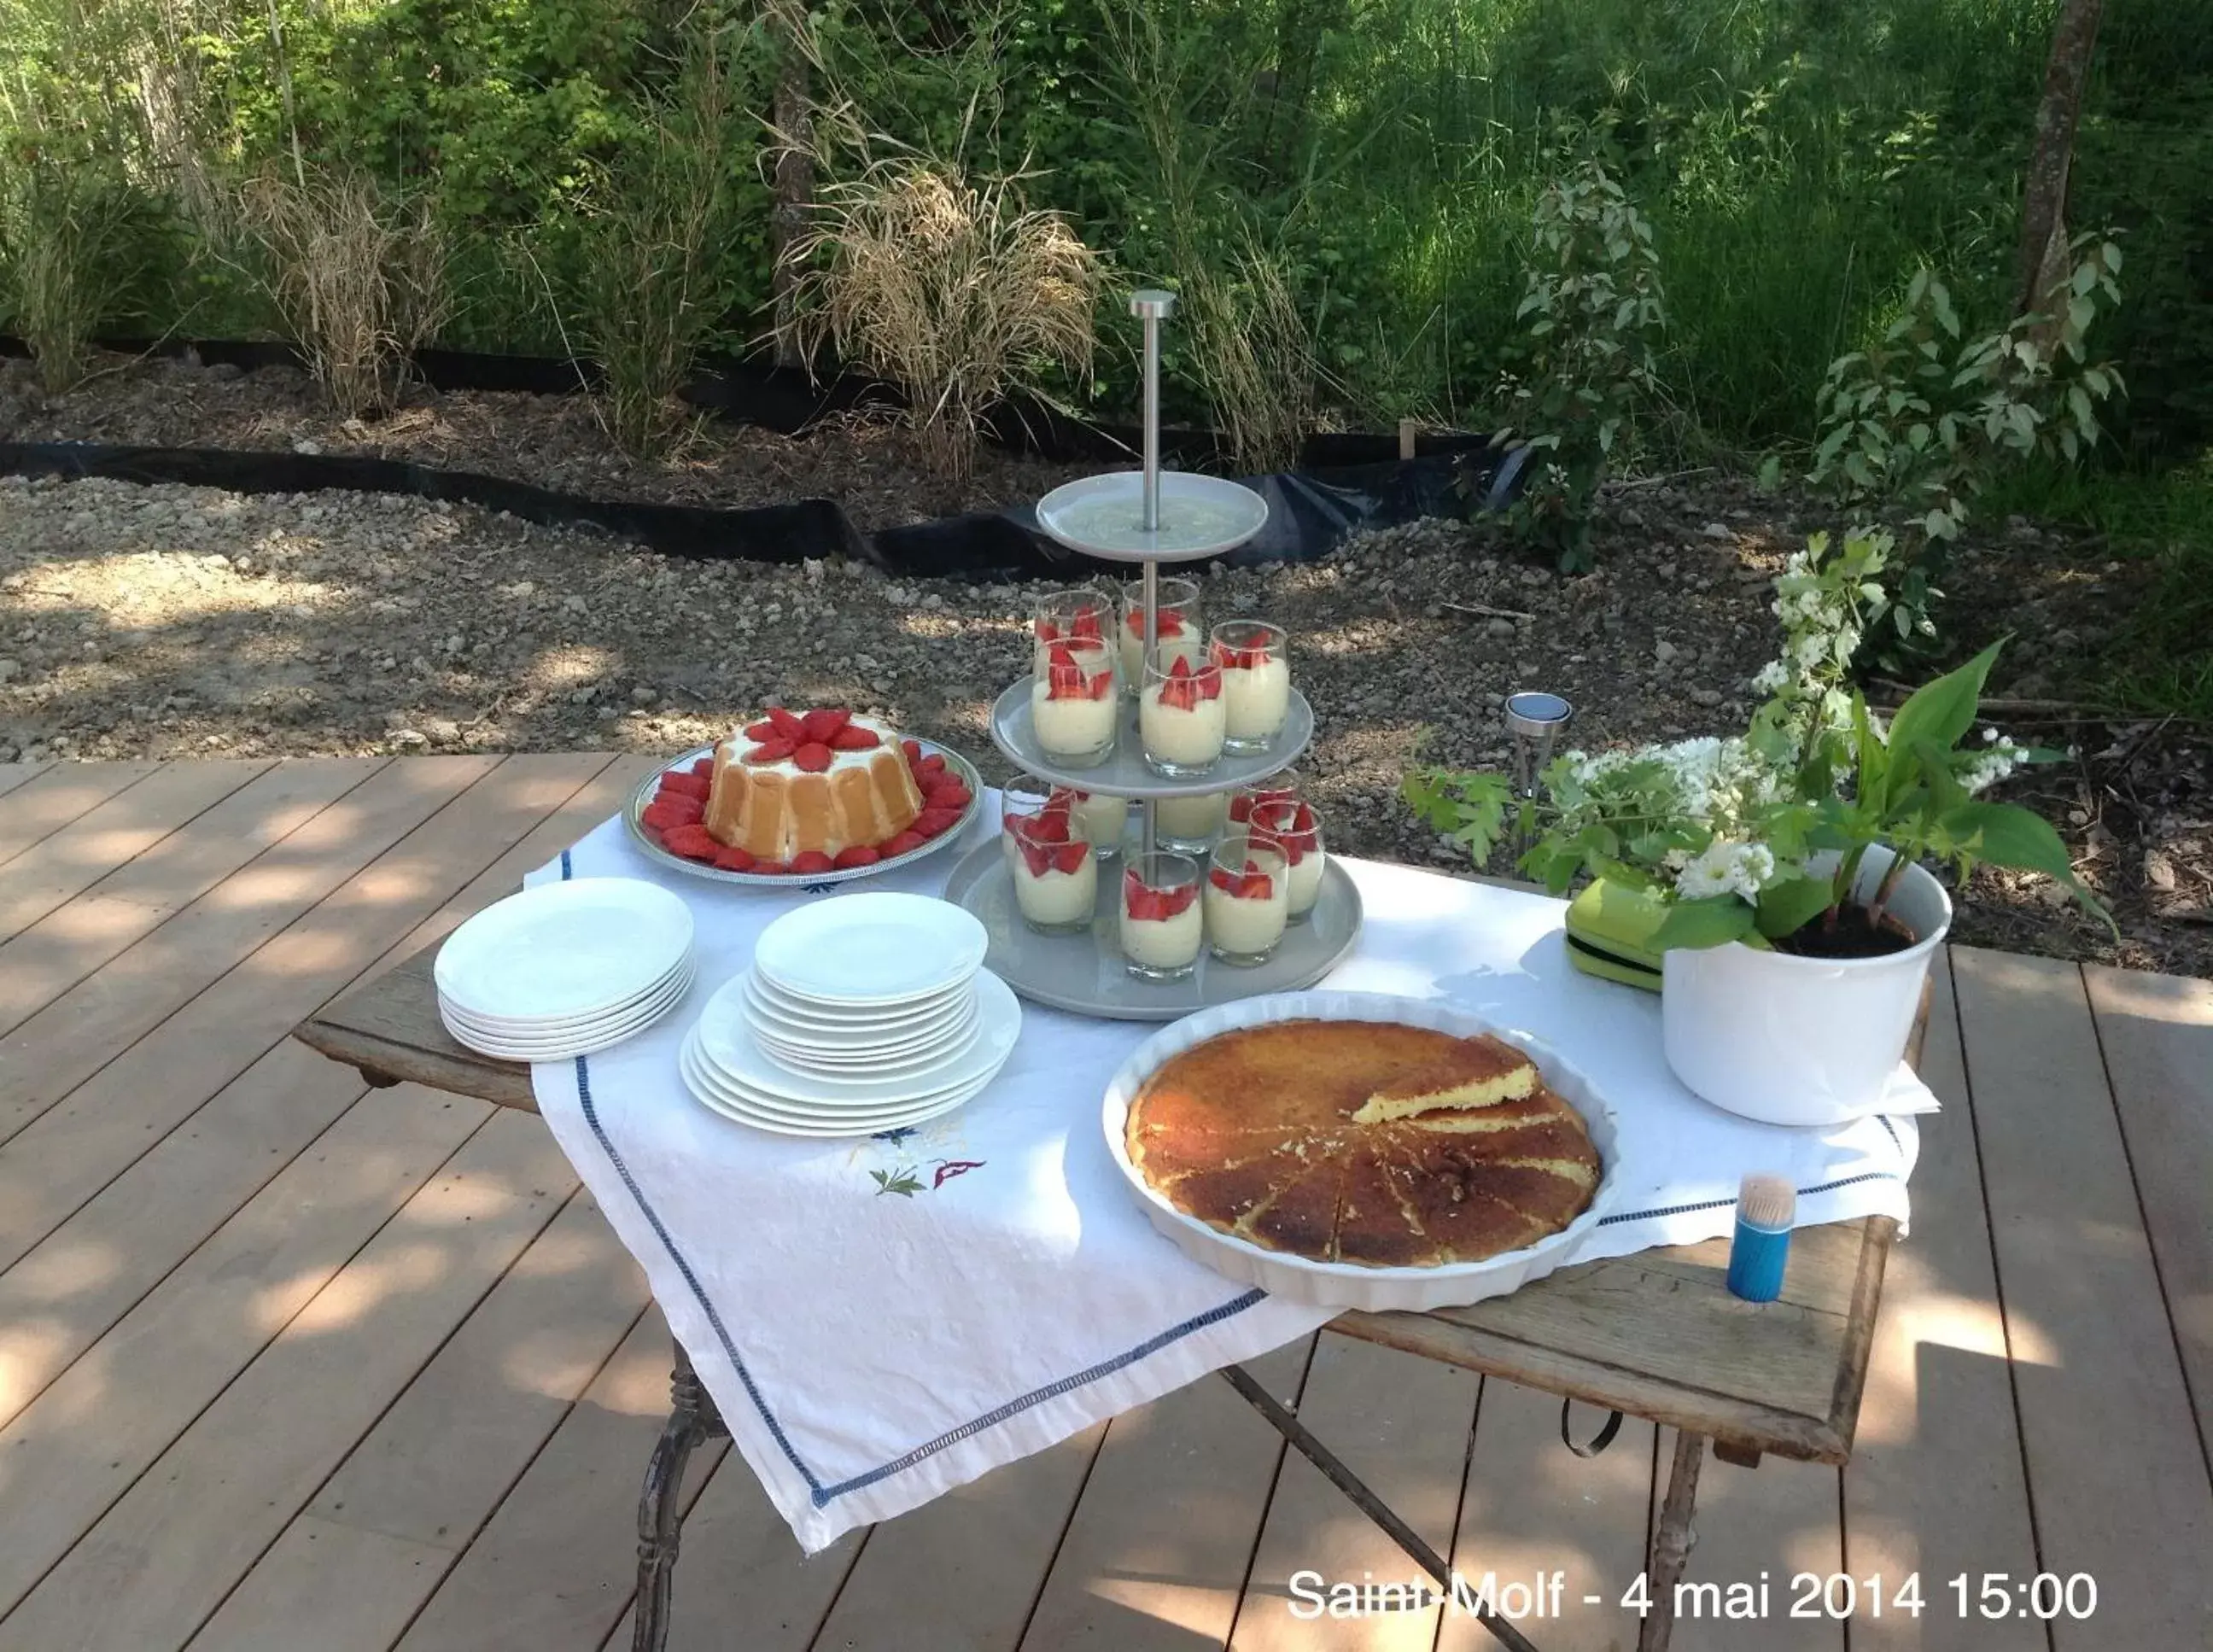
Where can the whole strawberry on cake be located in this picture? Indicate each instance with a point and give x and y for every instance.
(806, 793)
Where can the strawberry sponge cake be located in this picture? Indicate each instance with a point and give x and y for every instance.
(806, 793)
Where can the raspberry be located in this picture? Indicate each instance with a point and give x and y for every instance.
(812, 860)
(682, 782)
(691, 842)
(855, 740)
(787, 724)
(905, 843)
(858, 854)
(823, 722)
(930, 766)
(774, 751)
(735, 859)
(931, 821)
(813, 757)
(913, 750)
(666, 813)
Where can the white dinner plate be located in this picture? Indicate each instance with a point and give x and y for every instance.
(565, 949)
(884, 1068)
(718, 1097)
(880, 949)
(770, 1016)
(661, 993)
(563, 1049)
(727, 1043)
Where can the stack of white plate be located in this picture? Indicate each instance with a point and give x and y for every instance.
(866, 1012)
(565, 969)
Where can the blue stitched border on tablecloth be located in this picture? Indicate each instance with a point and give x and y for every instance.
(821, 1494)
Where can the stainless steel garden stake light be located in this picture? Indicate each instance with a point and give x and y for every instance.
(1535, 719)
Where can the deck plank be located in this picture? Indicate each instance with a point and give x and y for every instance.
(2157, 1034)
(1403, 1425)
(1532, 1507)
(54, 954)
(167, 1554)
(100, 1018)
(107, 1124)
(1155, 1556)
(439, 1462)
(962, 1574)
(2084, 1312)
(553, 1569)
(90, 1435)
(57, 794)
(1760, 1526)
(15, 774)
(120, 830)
(1935, 1483)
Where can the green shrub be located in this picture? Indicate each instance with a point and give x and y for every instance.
(74, 237)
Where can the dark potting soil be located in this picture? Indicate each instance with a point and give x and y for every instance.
(1852, 933)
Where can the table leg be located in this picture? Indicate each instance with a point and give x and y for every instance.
(692, 1419)
(1672, 1542)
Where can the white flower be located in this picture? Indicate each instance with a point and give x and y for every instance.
(1989, 736)
(1771, 677)
(1992, 765)
(1727, 868)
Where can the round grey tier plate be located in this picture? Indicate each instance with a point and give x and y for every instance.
(1103, 516)
(1125, 774)
(1085, 973)
(642, 840)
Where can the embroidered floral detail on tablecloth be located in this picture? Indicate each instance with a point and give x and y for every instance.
(911, 1173)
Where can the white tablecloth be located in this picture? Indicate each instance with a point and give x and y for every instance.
(883, 1319)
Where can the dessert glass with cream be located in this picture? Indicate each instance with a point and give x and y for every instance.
(1181, 722)
(1188, 824)
(1162, 925)
(1180, 631)
(1055, 874)
(1084, 614)
(1256, 683)
(1073, 708)
(1247, 900)
(1293, 828)
(1024, 795)
(1098, 819)
(1280, 787)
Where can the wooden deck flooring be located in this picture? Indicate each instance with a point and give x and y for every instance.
(288, 1364)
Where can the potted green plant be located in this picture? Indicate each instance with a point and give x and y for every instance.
(1791, 909)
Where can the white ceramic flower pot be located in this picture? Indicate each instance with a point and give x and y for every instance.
(1791, 1040)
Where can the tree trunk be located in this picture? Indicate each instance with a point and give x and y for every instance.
(793, 115)
(2044, 201)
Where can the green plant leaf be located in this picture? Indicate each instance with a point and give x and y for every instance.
(1788, 906)
(1941, 712)
(2006, 834)
(1714, 921)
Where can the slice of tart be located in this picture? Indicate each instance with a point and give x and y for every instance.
(1477, 1072)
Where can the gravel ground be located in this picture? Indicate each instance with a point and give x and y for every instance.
(171, 621)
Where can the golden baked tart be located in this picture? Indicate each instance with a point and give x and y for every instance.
(1370, 1143)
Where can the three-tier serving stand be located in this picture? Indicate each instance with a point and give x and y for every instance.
(1146, 516)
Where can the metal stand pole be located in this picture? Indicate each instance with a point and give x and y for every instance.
(1672, 1542)
(1152, 306)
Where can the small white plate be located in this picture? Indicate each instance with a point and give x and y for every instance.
(717, 1098)
(770, 1016)
(569, 949)
(661, 993)
(563, 1049)
(921, 1064)
(726, 1041)
(881, 948)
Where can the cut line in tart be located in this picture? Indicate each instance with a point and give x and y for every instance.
(1272, 1134)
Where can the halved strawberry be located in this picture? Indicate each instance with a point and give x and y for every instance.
(1101, 685)
(1171, 622)
(666, 813)
(814, 757)
(947, 793)
(1069, 858)
(823, 721)
(691, 842)
(1047, 631)
(772, 751)
(1221, 879)
(856, 854)
(1065, 682)
(1087, 622)
(929, 767)
(1242, 804)
(931, 821)
(682, 782)
(1035, 856)
(913, 750)
(812, 860)
(762, 731)
(849, 739)
(1153, 905)
(735, 859)
(1047, 825)
(905, 843)
(704, 767)
(1180, 691)
(773, 868)
(788, 724)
